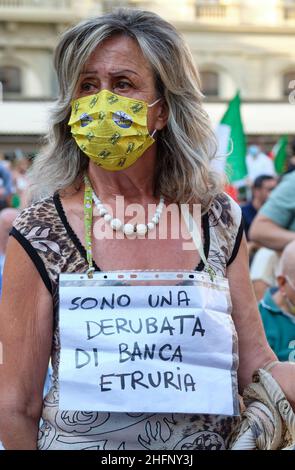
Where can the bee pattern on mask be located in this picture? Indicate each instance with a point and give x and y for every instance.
(76, 107)
(112, 99)
(122, 161)
(83, 147)
(137, 107)
(93, 102)
(130, 147)
(90, 136)
(115, 137)
(101, 116)
(104, 154)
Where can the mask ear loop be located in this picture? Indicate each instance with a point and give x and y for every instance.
(153, 104)
(150, 106)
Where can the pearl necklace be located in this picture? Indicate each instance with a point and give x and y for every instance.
(117, 224)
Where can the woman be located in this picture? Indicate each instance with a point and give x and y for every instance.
(139, 60)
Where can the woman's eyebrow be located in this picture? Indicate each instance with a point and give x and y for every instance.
(116, 73)
(120, 72)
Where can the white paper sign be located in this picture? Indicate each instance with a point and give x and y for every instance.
(146, 349)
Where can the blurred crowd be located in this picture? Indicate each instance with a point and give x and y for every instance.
(269, 222)
(268, 208)
(13, 195)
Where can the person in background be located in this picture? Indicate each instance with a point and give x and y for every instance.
(274, 225)
(7, 217)
(277, 308)
(6, 185)
(291, 160)
(261, 189)
(258, 163)
(263, 271)
(20, 178)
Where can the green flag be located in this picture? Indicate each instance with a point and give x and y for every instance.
(279, 154)
(231, 128)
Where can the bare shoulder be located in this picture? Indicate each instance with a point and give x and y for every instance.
(22, 283)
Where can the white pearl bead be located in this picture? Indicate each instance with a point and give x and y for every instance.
(116, 224)
(128, 229)
(141, 229)
(107, 217)
(97, 201)
(151, 225)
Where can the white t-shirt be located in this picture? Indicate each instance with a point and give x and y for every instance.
(259, 165)
(264, 266)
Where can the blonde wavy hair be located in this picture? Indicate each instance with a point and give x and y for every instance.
(186, 145)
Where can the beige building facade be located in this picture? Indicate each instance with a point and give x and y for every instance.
(237, 44)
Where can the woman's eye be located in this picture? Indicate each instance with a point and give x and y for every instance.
(87, 86)
(121, 85)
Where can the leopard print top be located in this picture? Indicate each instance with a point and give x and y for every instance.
(44, 232)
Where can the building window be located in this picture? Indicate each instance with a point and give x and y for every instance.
(210, 83)
(288, 78)
(289, 9)
(10, 77)
(210, 9)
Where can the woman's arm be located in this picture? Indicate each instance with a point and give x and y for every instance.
(26, 323)
(254, 351)
(266, 232)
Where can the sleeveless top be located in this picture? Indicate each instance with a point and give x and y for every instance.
(44, 232)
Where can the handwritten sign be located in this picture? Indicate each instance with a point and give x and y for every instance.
(146, 349)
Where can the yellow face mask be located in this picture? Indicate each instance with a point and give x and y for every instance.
(111, 129)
